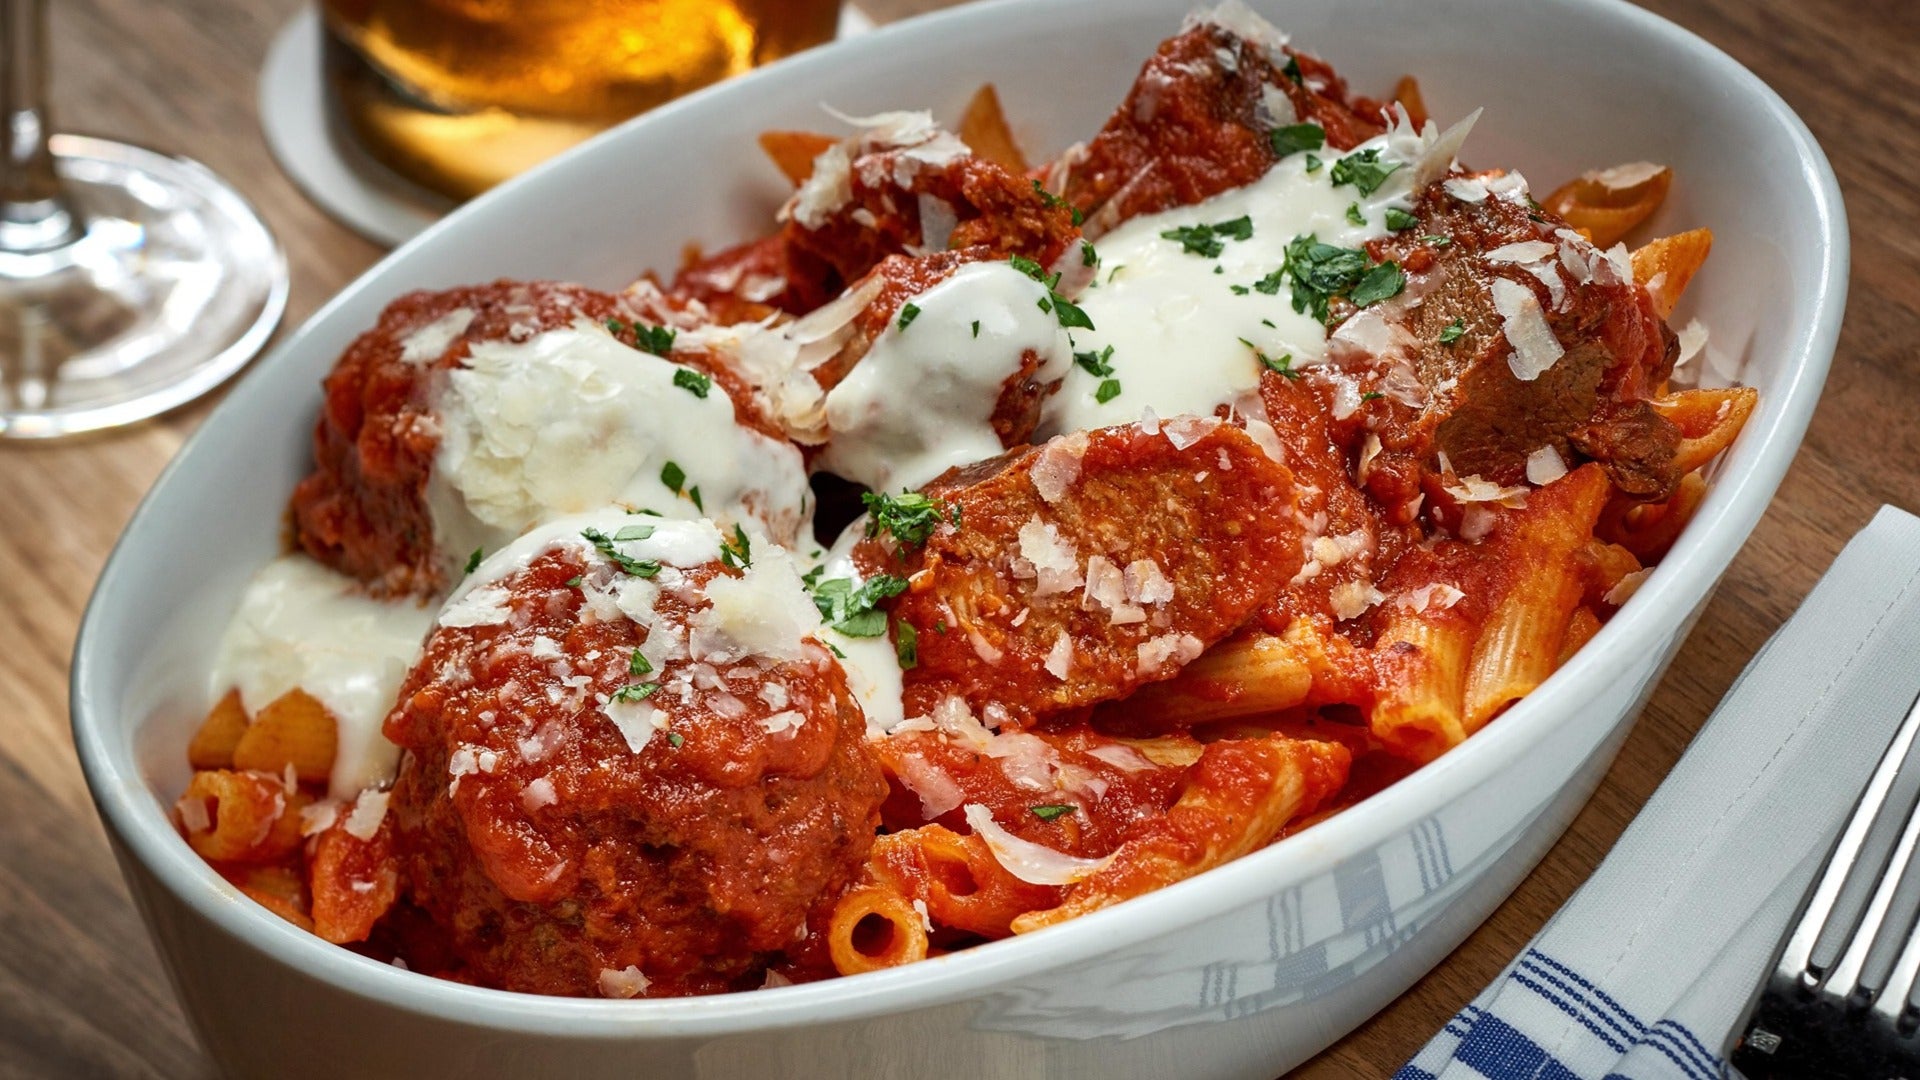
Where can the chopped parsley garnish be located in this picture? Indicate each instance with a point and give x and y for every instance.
(1088, 256)
(1053, 200)
(940, 627)
(473, 560)
(674, 477)
(1382, 282)
(1283, 365)
(1453, 331)
(1269, 285)
(657, 340)
(1292, 71)
(1354, 215)
(1437, 241)
(1098, 364)
(604, 543)
(851, 610)
(633, 532)
(1399, 220)
(908, 313)
(1314, 163)
(1239, 290)
(737, 553)
(1115, 272)
(676, 740)
(636, 691)
(1372, 395)
(574, 581)
(1109, 389)
(694, 382)
(638, 664)
(812, 577)
(1050, 811)
(694, 494)
(1321, 272)
(1204, 240)
(1065, 310)
(910, 516)
(1295, 138)
(835, 650)
(906, 645)
(1364, 170)
(976, 328)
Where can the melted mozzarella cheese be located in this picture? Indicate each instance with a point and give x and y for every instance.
(871, 664)
(922, 399)
(301, 625)
(571, 420)
(1183, 338)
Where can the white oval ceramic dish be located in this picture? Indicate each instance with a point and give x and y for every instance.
(1244, 971)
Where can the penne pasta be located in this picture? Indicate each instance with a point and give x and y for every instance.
(1606, 204)
(983, 127)
(213, 743)
(240, 817)
(793, 152)
(294, 730)
(1240, 795)
(873, 928)
(1665, 266)
(1709, 420)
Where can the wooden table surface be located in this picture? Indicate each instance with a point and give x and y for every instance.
(81, 991)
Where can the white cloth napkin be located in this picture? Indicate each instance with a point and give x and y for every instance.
(1645, 971)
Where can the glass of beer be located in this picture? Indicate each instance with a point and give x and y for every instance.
(458, 95)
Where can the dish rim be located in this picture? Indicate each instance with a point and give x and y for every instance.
(1679, 584)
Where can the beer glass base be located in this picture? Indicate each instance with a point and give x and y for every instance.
(172, 283)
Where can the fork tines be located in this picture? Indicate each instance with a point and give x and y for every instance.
(1842, 999)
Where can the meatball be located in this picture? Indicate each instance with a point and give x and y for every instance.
(1082, 569)
(467, 416)
(628, 765)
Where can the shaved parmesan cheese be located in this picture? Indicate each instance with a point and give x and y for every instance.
(1052, 558)
(1124, 758)
(1524, 252)
(194, 816)
(1468, 189)
(1630, 175)
(369, 810)
(1060, 657)
(625, 983)
(1107, 588)
(479, 607)
(787, 720)
(1146, 583)
(1535, 349)
(765, 612)
(937, 791)
(316, 818)
(1624, 589)
(538, 793)
(1544, 466)
(430, 342)
(1058, 465)
(1024, 859)
(1693, 338)
(636, 721)
(1155, 654)
(1435, 596)
(1184, 431)
(1474, 488)
(1351, 599)
(1238, 19)
(937, 220)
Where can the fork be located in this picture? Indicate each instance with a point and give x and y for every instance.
(1843, 996)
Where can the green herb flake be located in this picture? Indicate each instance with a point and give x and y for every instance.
(1281, 365)
(835, 650)
(852, 610)
(1382, 282)
(1053, 200)
(908, 313)
(1321, 272)
(1292, 71)
(1372, 395)
(1098, 364)
(694, 494)
(1050, 811)
(473, 560)
(638, 664)
(1453, 331)
(976, 328)
(1436, 241)
(906, 645)
(697, 383)
(674, 477)
(737, 553)
(1399, 220)
(1269, 285)
(1239, 290)
(657, 340)
(1354, 215)
(909, 517)
(1088, 256)
(1297, 138)
(940, 628)
(676, 740)
(1314, 163)
(1070, 314)
(636, 691)
(574, 581)
(633, 532)
(1109, 389)
(1364, 170)
(645, 568)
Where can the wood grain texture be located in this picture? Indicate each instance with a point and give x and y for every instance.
(81, 992)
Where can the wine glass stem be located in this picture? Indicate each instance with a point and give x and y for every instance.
(34, 212)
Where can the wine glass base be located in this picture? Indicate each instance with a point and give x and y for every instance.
(173, 284)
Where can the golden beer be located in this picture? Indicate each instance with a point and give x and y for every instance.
(458, 95)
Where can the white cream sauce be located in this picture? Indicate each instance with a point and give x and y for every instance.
(1178, 329)
(871, 664)
(571, 420)
(922, 399)
(301, 625)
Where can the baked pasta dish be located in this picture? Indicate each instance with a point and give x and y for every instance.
(987, 544)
